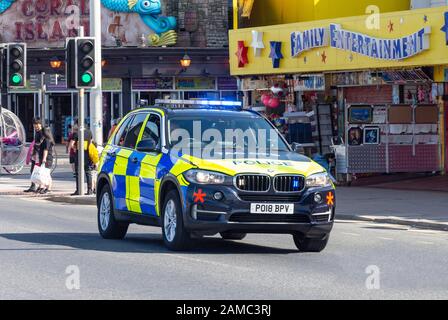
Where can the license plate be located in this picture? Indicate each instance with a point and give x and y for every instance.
(271, 208)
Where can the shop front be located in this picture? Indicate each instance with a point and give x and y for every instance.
(373, 98)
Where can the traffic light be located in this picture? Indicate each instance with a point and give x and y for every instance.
(85, 56)
(81, 63)
(70, 63)
(15, 65)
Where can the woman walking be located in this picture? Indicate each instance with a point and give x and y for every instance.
(46, 157)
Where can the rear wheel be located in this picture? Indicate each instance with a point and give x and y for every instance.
(233, 235)
(310, 245)
(108, 227)
(175, 236)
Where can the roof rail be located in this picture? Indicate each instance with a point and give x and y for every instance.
(199, 104)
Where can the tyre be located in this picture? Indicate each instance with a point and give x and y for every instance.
(233, 235)
(108, 227)
(175, 236)
(310, 245)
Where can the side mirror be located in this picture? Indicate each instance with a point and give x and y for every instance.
(148, 145)
(297, 147)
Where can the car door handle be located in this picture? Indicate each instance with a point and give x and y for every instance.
(112, 154)
(135, 160)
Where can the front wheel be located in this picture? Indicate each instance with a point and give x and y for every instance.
(310, 245)
(175, 236)
(108, 227)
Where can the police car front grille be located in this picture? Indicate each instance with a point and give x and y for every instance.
(270, 198)
(269, 218)
(253, 183)
(291, 183)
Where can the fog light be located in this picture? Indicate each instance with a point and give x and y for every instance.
(194, 212)
(218, 196)
(318, 198)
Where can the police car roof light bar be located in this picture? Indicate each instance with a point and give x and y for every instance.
(181, 104)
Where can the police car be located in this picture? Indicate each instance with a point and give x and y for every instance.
(196, 168)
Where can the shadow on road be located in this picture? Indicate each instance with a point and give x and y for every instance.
(137, 243)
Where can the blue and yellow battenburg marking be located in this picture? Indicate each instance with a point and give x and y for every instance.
(136, 184)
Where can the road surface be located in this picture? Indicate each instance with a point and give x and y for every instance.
(53, 251)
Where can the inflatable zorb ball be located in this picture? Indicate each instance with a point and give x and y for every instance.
(13, 138)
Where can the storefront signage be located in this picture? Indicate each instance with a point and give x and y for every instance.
(146, 84)
(227, 84)
(47, 23)
(112, 84)
(445, 27)
(363, 78)
(384, 49)
(196, 83)
(310, 83)
(308, 39)
(407, 39)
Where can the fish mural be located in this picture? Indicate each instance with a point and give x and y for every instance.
(5, 5)
(149, 11)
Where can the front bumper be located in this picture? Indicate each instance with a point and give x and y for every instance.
(204, 215)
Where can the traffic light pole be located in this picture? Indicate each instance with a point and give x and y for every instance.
(81, 130)
(3, 98)
(42, 94)
(96, 94)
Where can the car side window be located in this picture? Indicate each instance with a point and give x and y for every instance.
(134, 130)
(152, 129)
(122, 132)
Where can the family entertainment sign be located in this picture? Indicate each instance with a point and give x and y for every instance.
(377, 48)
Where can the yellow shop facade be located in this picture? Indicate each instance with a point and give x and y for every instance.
(359, 85)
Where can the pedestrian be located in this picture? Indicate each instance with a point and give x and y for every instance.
(37, 124)
(91, 160)
(114, 128)
(69, 146)
(47, 145)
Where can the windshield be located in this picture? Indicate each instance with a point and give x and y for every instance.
(224, 135)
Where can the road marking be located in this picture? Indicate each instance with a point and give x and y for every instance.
(351, 234)
(387, 239)
(218, 264)
(426, 242)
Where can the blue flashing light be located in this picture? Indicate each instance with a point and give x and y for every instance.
(296, 184)
(203, 104)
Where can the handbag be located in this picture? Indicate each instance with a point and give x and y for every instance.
(41, 176)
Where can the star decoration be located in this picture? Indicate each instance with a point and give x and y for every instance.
(330, 199)
(276, 54)
(257, 42)
(324, 57)
(199, 196)
(242, 54)
(445, 27)
(391, 26)
(425, 18)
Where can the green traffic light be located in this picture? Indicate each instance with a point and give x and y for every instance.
(16, 79)
(86, 78)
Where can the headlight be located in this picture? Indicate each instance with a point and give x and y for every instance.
(320, 180)
(205, 177)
